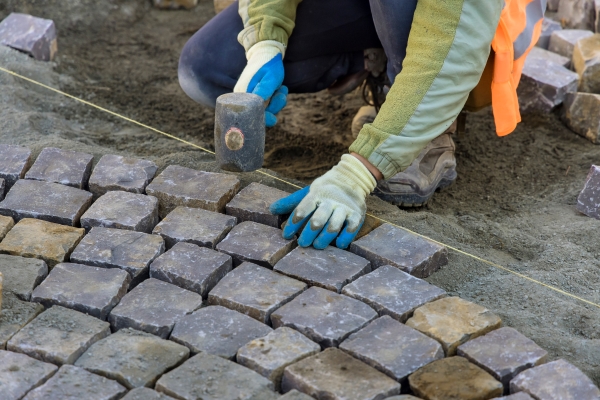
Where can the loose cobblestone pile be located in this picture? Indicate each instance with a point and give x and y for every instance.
(116, 282)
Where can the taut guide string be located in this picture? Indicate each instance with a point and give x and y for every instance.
(456, 250)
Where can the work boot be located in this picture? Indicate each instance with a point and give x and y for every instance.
(434, 169)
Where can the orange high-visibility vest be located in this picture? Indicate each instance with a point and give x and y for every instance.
(518, 31)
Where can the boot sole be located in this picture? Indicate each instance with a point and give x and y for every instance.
(416, 200)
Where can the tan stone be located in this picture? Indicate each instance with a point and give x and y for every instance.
(580, 114)
(452, 321)
(220, 5)
(454, 378)
(15, 315)
(48, 241)
(586, 62)
(6, 224)
(175, 4)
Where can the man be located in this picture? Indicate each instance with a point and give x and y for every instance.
(436, 51)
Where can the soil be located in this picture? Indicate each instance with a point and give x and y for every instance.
(513, 201)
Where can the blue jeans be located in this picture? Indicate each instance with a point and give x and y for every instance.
(327, 44)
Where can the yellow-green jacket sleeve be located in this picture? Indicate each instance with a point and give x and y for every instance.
(448, 47)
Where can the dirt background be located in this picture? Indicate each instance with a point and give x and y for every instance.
(513, 202)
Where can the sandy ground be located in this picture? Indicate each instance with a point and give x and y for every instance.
(513, 202)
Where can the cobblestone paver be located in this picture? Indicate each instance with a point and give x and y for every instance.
(210, 377)
(388, 245)
(255, 291)
(91, 290)
(48, 241)
(22, 274)
(324, 316)
(252, 204)
(121, 173)
(191, 267)
(516, 396)
(133, 358)
(144, 393)
(6, 224)
(335, 375)
(66, 167)
(330, 268)
(59, 335)
(15, 315)
(154, 306)
(217, 330)
(20, 373)
(296, 395)
(14, 162)
(194, 225)
(2, 188)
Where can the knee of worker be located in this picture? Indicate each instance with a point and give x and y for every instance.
(194, 82)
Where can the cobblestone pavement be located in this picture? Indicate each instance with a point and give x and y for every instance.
(118, 282)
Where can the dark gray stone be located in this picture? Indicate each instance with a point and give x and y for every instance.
(209, 377)
(122, 210)
(516, 396)
(330, 268)
(392, 348)
(66, 167)
(295, 395)
(217, 330)
(588, 201)
(548, 56)
(121, 173)
(47, 201)
(255, 291)
(563, 41)
(116, 248)
(548, 26)
(15, 315)
(194, 225)
(180, 186)
(2, 188)
(191, 267)
(20, 373)
(154, 306)
(252, 204)
(388, 245)
(325, 317)
(133, 358)
(31, 35)
(91, 290)
(72, 383)
(22, 275)
(393, 292)
(14, 162)
(59, 335)
(144, 393)
(257, 243)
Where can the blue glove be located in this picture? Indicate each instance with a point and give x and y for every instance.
(263, 76)
(332, 207)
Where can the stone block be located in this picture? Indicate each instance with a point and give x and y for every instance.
(59, 335)
(121, 173)
(330, 268)
(393, 292)
(15, 315)
(255, 291)
(576, 14)
(252, 204)
(548, 26)
(454, 378)
(271, 354)
(213, 378)
(555, 380)
(586, 62)
(388, 245)
(91, 290)
(580, 113)
(194, 225)
(552, 5)
(335, 375)
(563, 41)
(516, 396)
(6, 224)
(22, 274)
(144, 393)
(392, 348)
(47, 201)
(175, 4)
(548, 57)
(325, 317)
(403, 397)
(544, 85)
(72, 383)
(14, 162)
(452, 321)
(257, 243)
(31, 35)
(296, 395)
(217, 330)
(180, 186)
(122, 210)
(1, 285)
(154, 306)
(70, 168)
(20, 373)
(47, 241)
(503, 353)
(191, 267)
(220, 5)
(117, 248)
(2, 188)
(588, 201)
(133, 358)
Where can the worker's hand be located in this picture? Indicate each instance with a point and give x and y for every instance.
(334, 202)
(263, 76)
